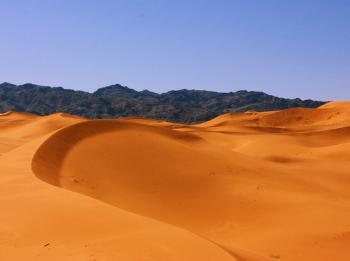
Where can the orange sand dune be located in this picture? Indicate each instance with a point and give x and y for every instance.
(42, 222)
(330, 115)
(246, 187)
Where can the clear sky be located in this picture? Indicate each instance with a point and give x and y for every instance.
(295, 48)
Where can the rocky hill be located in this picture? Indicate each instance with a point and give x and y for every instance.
(185, 106)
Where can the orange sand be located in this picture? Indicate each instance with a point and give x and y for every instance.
(245, 187)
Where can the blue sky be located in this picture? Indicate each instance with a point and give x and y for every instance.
(296, 48)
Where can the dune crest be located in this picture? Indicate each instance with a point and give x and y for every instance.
(336, 104)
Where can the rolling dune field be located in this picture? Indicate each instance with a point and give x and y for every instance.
(245, 187)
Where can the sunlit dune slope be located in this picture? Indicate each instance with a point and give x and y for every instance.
(18, 128)
(247, 187)
(337, 105)
(41, 222)
(330, 115)
(272, 174)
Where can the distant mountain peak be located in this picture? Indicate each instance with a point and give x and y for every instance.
(148, 92)
(7, 84)
(114, 90)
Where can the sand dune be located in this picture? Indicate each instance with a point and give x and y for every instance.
(246, 187)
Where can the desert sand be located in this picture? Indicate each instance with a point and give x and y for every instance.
(245, 187)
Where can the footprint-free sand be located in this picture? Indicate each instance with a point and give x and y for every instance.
(245, 187)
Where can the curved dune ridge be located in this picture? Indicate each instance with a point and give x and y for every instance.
(247, 187)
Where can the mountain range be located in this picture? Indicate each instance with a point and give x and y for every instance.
(183, 106)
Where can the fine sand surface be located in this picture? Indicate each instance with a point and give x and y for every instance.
(245, 187)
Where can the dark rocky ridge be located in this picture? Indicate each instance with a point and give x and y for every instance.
(185, 106)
